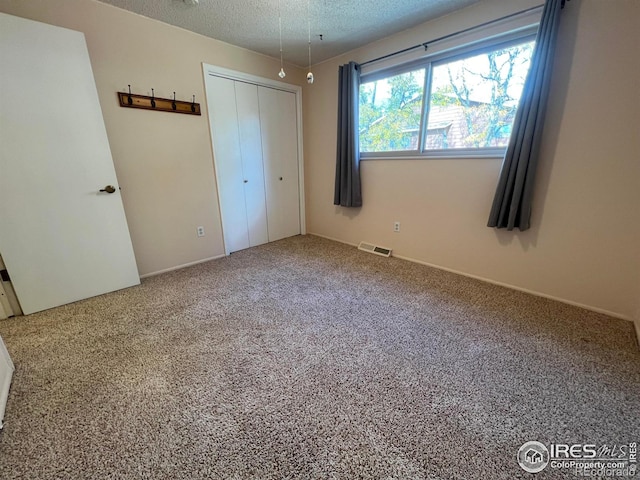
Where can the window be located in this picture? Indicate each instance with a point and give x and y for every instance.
(455, 105)
(390, 111)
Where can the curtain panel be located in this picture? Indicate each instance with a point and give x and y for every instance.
(347, 184)
(514, 193)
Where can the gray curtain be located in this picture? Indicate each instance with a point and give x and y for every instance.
(347, 188)
(513, 198)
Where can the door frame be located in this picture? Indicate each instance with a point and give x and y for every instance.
(217, 71)
(5, 308)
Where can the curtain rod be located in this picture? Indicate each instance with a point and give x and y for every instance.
(445, 37)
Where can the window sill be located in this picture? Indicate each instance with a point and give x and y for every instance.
(436, 155)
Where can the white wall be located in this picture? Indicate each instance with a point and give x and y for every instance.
(583, 246)
(164, 161)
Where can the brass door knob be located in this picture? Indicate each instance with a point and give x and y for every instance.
(108, 189)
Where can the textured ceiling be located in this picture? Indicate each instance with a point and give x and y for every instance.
(253, 24)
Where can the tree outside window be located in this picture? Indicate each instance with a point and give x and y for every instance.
(472, 103)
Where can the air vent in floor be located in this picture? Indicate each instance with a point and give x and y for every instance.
(376, 249)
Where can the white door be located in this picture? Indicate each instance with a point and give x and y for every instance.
(280, 152)
(62, 239)
(254, 129)
(223, 118)
(235, 130)
(252, 169)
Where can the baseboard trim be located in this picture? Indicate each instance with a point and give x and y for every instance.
(502, 284)
(333, 239)
(178, 267)
(6, 374)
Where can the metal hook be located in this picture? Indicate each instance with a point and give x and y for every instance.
(129, 99)
(153, 101)
(193, 104)
(173, 104)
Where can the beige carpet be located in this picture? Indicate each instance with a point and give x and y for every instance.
(306, 358)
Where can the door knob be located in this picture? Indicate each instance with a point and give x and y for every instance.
(108, 189)
(246, 181)
(280, 178)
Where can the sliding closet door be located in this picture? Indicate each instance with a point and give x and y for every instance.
(252, 169)
(254, 129)
(280, 153)
(223, 117)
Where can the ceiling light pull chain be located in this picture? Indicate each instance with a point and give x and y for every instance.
(310, 74)
(281, 74)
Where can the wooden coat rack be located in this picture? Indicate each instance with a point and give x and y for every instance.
(131, 100)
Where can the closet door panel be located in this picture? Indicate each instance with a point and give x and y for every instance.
(221, 102)
(280, 153)
(252, 166)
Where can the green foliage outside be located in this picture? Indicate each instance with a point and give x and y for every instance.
(387, 125)
(473, 103)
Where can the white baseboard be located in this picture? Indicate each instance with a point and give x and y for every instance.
(502, 284)
(6, 374)
(332, 239)
(184, 265)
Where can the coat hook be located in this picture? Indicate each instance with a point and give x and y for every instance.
(161, 104)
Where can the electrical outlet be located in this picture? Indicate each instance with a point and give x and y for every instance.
(396, 227)
(200, 231)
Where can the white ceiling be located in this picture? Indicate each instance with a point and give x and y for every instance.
(253, 24)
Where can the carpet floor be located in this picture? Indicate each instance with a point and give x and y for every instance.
(306, 358)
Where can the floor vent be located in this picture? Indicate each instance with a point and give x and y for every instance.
(368, 247)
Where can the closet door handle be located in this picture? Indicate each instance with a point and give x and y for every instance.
(246, 181)
(280, 178)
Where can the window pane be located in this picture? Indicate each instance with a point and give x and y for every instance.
(473, 101)
(390, 112)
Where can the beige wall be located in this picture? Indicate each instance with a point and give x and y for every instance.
(582, 248)
(584, 244)
(164, 161)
